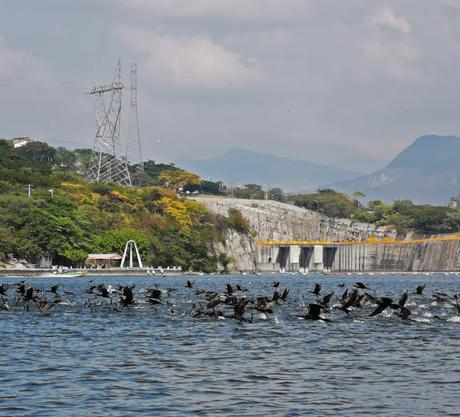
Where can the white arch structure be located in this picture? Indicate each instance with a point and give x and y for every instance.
(130, 245)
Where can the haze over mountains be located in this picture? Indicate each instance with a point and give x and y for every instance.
(240, 166)
(427, 171)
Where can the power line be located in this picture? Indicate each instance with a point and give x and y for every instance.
(14, 81)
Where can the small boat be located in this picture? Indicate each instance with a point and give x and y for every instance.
(66, 274)
(73, 274)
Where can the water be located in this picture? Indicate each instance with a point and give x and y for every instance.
(149, 361)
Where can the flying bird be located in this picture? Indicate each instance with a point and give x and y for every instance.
(383, 304)
(402, 300)
(316, 290)
(419, 289)
(314, 311)
(362, 286)
(327, 299)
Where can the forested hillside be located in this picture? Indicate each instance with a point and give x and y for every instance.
(66, 218)
(403, 215)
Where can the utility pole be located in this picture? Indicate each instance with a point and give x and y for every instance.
(29, 190)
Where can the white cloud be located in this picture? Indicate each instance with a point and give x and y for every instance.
(191, 61)
(385, 16)
(240, 9)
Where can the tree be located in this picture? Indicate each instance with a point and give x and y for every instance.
(327, 201)
(380, 209)
(7, 242)
(323, 191)
(237, 222)
(357, 195)
(276, 194)
(64, 158)
(178, 179)
(38, 152)
(114, 241)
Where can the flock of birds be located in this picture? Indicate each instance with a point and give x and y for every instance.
(234, 302)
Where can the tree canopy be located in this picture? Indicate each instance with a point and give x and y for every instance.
(79, 218)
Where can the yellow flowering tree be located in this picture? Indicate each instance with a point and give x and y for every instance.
(178, 179)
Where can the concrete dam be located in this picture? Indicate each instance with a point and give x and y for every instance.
(292, 239)
(433, 254)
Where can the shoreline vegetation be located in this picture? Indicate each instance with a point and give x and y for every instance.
(66, 219)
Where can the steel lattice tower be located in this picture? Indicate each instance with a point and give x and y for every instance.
(107, 163)
(133, 144)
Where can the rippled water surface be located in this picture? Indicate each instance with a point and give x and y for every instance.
(160, 361)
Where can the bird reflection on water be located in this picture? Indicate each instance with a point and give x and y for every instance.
(172, 346)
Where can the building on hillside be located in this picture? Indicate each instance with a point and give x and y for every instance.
(454, 202)
(103, 260)
(20, 142)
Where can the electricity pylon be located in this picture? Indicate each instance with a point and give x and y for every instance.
(107, 162)
(133, 144)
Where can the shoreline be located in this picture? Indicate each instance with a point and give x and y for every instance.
(51, 273)
(75, 273)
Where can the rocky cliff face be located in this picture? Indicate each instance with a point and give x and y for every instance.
(272, 220)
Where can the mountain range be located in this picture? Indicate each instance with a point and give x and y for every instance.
(427, 171)
(240, 166)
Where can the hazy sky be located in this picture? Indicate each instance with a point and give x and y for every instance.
(282, 76)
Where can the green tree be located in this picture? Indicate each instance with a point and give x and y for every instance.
(276, 194)
(237, 222)
(38, 152)
(327, 201)
(114, 241)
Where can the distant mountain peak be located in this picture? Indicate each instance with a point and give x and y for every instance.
(427, 171)
(434, 138)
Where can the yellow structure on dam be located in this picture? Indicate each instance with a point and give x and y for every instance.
(371, 241)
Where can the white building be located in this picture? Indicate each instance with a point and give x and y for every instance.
(20, 142)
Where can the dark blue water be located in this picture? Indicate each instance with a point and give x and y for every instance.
(160, 361)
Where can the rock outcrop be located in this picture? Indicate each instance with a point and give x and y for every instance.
(272, 220)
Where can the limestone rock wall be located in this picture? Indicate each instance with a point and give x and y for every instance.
(241, 249)
(272, 220)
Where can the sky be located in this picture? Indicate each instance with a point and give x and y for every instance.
(347, 82)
